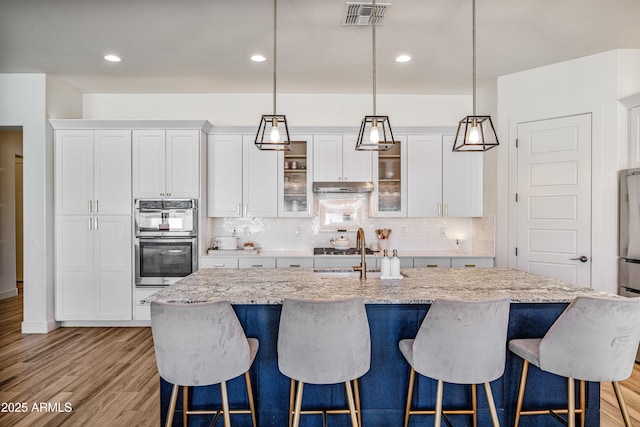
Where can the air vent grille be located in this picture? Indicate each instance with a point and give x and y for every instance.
(357, 13)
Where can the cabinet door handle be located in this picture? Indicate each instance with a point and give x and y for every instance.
(238, 209)
(446, 209)
(162, 194)
(245, 209)
(97, 206)
(169, 194)
(90, 206)
(96, 223)
(439, 209)
(90, 223)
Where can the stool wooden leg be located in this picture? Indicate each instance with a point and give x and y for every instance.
(492, 405)
(438, 418)
(352, 404)
(225, 404)
(407, 410)
(252, 406)
(523, 383)
(571, 415)
(621, 403)
(292, 394)
(185, 404)
(356, 393)
(172, 405)
(298, 406)
(583, 405)
(474, 404)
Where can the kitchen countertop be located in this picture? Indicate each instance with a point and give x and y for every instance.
(309, 253)
(420, 286)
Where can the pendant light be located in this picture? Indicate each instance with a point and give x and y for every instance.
(375, 131)
(273, 126)
(475, 133)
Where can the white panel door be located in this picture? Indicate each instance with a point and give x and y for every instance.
(148, 163)
(259, 180)
(74, 171)
(183, 163)
(224, 175)
(112, 171)
(424, 175)
(327, 158)
(356, 165)
(554, 198)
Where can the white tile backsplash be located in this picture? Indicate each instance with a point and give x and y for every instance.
(410, 234)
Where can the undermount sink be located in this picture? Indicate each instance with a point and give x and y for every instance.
(373, 273)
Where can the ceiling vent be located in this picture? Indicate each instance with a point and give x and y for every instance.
(358, 13)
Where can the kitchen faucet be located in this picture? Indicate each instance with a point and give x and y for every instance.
(361, 246)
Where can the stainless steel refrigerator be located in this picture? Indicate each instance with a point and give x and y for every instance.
(629, 235)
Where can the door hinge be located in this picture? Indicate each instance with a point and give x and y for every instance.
(516, 251)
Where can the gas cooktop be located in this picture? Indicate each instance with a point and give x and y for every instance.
(334, 251)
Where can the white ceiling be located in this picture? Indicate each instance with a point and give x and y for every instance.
(205, 45)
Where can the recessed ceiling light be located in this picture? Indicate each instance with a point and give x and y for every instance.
(403, 58)
(112, 58)
(258, 58)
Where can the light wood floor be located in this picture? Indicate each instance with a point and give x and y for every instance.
(109, 377)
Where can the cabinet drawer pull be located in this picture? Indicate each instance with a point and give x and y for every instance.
(256, 265)
(218, 265)
(294, 265)
(469, 265)
(432, 265)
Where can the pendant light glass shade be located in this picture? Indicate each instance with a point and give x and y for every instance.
(375, 131)
(375, 134)
(475, 133)
(273, 132)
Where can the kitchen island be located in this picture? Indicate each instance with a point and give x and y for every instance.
(395, 309)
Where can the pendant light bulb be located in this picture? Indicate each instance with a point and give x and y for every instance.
(474, 135)
(275, 133)
(374, 136)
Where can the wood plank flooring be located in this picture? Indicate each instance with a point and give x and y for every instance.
(109, 378)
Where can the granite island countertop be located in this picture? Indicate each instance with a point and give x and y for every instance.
(418, 286)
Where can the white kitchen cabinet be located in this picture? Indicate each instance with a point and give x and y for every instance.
(166, 163)
(634, 137)
(142, 311)
(336, 159)
(471, 262)
(441, 182)
(241, 180)
(93, 171)
(431, 262)
(218, 262)
(294, 262)
(256, 262)
(295, 178)
(93, 267)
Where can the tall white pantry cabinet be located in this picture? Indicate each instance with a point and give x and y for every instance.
(93, 224)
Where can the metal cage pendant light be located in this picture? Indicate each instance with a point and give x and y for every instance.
(475, 133)
(375, 131)
(273, 131)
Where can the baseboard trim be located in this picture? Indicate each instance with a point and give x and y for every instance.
(39, 327)
(9, 294)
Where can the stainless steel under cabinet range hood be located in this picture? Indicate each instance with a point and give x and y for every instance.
(343, 187)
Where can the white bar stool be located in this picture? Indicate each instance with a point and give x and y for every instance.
(594, 339)
(324, 342)
(461, 342)
(202, 344)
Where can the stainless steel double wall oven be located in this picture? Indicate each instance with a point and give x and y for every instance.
(166, 240)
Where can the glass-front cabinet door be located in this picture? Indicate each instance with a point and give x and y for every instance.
(390, 177)
(295, 178)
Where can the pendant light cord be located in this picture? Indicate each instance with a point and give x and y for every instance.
(373, 32)
(275, 40)
(473, 26)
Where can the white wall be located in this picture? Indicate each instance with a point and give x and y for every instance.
(10, 146)
(300, 109)
(23, 102)
(593, 85)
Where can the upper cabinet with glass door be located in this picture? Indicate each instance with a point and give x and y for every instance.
(390, 176)
(295, 178)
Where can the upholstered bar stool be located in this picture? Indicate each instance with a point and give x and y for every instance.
(324, 342)
(461, 342)
(202, 344)
(594, 339)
